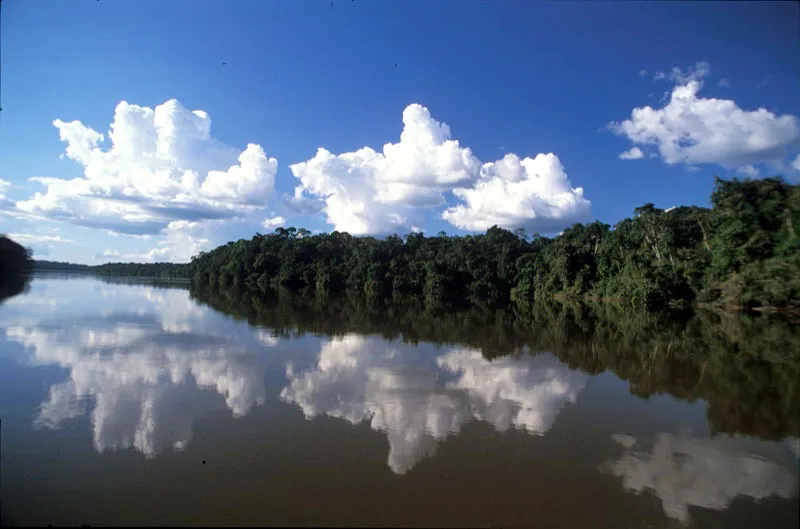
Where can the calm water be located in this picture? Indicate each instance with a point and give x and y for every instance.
(130, 404)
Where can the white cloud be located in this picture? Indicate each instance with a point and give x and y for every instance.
(642, 73)
(7, 208)
(40, 244)
(303, 204)
(181, 241)
(708, 473)
(533, 193)
(749, 171)
(397, 388)
(694, 130)
(698, 71)
(162, 166)
(267, 338)
(110, 253)
(796, 163)
(724, 82)
(635, 153)
(25, 238)
(380, 192)
(372, 192)
(5, 185)
(273, 222)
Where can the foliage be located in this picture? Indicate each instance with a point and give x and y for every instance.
(15, 267)
(741, 253)
(57, 266)
(151, 270)
(142, 270)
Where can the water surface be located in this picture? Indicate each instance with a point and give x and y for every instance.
(137, 404)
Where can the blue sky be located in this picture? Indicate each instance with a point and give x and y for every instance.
(527, 89)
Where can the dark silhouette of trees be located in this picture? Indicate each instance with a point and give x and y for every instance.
(57, 266)
(145, 270)
(15, 267)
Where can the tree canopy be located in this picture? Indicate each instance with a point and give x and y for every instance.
(743, 252)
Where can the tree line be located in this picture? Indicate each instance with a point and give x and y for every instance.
(743, 252)
(144, 270)
(40, 265)
(15, 267)
(150, 270)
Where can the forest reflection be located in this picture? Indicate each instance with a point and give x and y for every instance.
(746, 367)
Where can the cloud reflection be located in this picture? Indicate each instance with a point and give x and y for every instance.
(418, 400)
(146, 369)
(708, 473)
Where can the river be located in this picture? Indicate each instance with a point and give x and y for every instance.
(138, 404)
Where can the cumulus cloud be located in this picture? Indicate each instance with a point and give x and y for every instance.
(796, 163)
(635, 153)
(724, 82)
(371, 192)
(532, 193)
(180, 243)
(273, 222)
(181, 240)
(690, 129)
(146, 370)
(381, 192)
(162, 166)
(707, 473)
(401, 392)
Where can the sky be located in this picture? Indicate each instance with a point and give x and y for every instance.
(151, 131)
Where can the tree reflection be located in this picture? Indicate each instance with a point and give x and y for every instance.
(746, 368)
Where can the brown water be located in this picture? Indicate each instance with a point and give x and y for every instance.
(136, 405)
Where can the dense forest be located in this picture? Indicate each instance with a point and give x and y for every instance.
(151, 270)
(743, 252)
(15, 267)
(58, 266)
(148, 270)
(745, 366)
